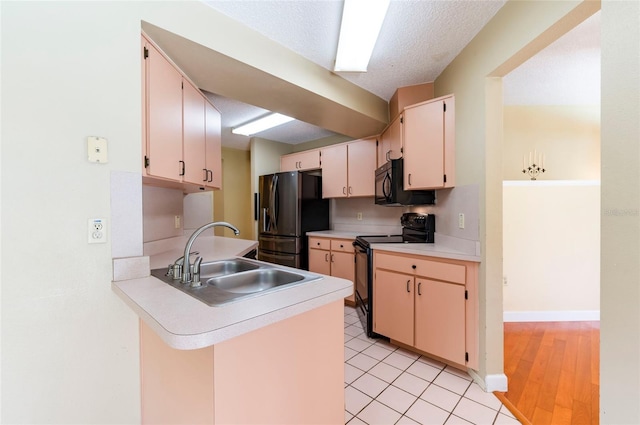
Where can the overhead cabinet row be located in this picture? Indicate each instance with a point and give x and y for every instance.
(182, 130)
(422, 134)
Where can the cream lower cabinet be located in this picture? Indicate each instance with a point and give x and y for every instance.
(429, 304)
(333, 257)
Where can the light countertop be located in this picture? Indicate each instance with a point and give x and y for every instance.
(426, 249)
(443, 248)
(184, 322)
(339, 234)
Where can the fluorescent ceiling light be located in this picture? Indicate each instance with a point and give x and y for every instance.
(262, 124)
(361, 23)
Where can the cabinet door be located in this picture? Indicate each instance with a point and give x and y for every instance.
(213, 148)
(361, 167)
(440, 319)
(300, 161)
(343, 265)
(424, 146)
(193, 121)
(334, 171)
(164, 115)
(391, 141)
(393, 305)
(319, 261)
(450, 142)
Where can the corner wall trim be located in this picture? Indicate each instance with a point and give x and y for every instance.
(551, 316)
(490, 383)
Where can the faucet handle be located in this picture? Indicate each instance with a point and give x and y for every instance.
(196, 273)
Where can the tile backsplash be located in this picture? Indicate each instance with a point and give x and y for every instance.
(376, 219)
(449, 204)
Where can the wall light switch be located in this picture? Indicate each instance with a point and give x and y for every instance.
(176, 221)
(97, 149)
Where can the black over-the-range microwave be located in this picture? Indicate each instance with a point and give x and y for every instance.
(390, 187)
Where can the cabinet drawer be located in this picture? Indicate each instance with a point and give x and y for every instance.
(342, 245)
(418, 266)
(319, 243)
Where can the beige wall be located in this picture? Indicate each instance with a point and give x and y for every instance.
(551, 250)
(569, 137)
(518, 30)
(236, 192)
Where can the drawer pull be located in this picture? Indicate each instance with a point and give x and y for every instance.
(419, 283)
(414, 267)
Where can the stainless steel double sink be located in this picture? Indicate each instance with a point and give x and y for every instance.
(236, 279)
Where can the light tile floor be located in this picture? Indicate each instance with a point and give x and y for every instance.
(386, 385)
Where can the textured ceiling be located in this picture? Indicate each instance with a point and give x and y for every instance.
(419, 38)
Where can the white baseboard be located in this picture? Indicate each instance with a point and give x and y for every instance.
(551, 316)
(490, 383)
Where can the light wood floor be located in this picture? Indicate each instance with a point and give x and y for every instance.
(553, 371)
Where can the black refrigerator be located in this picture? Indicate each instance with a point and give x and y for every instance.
(290, 205)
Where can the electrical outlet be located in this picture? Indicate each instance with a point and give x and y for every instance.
(176, 221)
(97, 230)
(461, 221)
(359, 216)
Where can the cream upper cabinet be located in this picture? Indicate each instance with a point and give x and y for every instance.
(429, 144)
(348, 170)
(300, 161)
(213, 146)
(193, 137)
(163, 109)
(390, 141)
(181, 142)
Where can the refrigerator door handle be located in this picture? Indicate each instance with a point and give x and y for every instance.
(274, 204)
(264, 219)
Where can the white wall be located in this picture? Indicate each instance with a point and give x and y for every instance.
(551, 250)
(620, 224)
(70, 345)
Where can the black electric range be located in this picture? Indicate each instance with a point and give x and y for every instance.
(416, 228)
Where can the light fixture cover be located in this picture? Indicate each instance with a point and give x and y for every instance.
(262, 124)
(361, 23)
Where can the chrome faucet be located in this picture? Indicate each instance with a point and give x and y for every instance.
(187, 275)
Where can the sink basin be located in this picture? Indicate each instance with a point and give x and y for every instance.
(236, 279)
(254, 281)
(225, 267)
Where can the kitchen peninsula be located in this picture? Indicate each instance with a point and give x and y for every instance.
(274, 358)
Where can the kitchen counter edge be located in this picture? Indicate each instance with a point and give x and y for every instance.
(186, 323)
